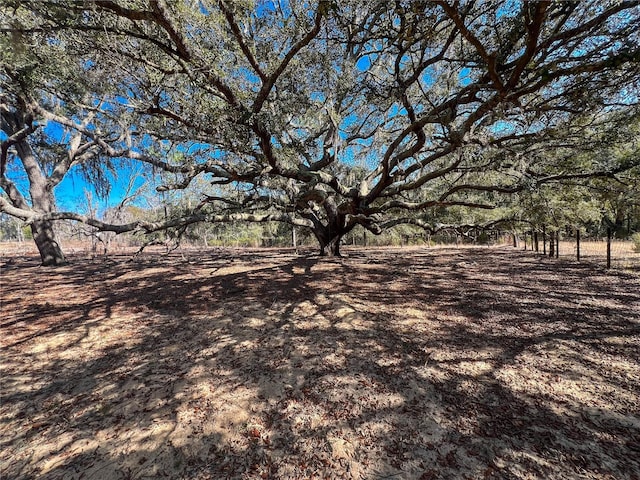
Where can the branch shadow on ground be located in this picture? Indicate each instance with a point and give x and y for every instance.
(434, 364)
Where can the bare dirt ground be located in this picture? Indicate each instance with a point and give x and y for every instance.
(415, 363)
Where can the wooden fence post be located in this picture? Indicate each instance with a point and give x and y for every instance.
(294, 239)
(608, 247)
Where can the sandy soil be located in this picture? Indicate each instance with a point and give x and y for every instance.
(414, 364)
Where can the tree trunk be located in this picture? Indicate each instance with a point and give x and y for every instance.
(44, 237)
(41, 192)
(329, 236)
(329, 247)
(336, 246)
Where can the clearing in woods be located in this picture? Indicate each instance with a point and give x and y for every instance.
(391, 363)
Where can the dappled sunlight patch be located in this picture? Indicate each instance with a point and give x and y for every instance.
(347, 396)
(350, 314)
(414, 313)
(474, 369)
(317, 322)
(304, 309)
(570, 372)
(432, 374)
(335, 361)
(239, 269)
(344, 312)
(303, 416)
(223, 413)
(351, 320)
(254, 321)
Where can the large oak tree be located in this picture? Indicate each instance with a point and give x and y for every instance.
(337, 114)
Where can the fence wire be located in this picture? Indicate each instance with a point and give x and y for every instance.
(610, 252)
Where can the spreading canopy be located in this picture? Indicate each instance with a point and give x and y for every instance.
(337, 114)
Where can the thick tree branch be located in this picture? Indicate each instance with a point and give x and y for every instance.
(534, 25)
(489, 58)
(303, 42)
(163, 18)
(29, 216)
(228, 14)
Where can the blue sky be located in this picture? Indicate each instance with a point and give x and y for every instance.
(71, 193)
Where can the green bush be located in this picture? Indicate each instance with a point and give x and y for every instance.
(635, 238)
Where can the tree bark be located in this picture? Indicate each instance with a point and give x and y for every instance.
(331, 248)
(329, 244)
(42, 201)
(44, 237)
(336, 246)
